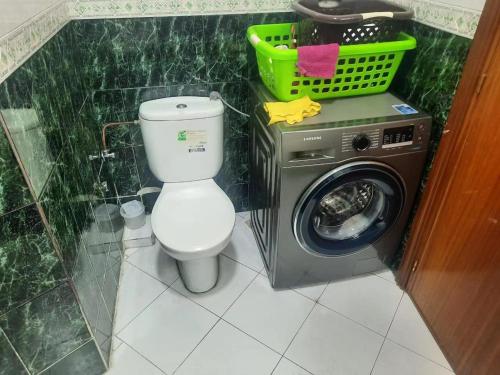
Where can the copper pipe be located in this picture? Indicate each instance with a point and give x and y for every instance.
(110, 125)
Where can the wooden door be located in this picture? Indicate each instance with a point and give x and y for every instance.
(452, 265)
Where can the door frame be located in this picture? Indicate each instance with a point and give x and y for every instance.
(453, 141)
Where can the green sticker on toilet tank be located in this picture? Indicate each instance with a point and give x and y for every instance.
(182, 136)
(193, 140)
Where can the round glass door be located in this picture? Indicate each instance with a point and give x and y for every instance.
(348, 208)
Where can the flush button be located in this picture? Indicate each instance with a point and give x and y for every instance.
(181, 106)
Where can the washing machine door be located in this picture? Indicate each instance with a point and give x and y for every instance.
(348, 208)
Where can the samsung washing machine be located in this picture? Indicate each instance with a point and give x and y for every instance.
(330, 197)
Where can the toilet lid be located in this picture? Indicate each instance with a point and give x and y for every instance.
(193, 217)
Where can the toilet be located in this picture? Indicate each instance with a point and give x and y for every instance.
(193, 218)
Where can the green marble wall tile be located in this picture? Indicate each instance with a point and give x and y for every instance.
(57, 203)
(235, 166)
(182, 51)
(31, 143)
(28, 263)
(238, 193)
(147, 177)
(39, 103)
(46, 328)
(429, 75)
(121, 173)
(428, 78)
(225, 38)
(97, 287)
(236, 94)
(14, 192)
(83, 361)
(119, 53)
(9, 361)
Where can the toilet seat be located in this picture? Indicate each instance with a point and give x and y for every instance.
(193, 219)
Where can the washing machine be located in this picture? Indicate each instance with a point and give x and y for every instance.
(330, 197)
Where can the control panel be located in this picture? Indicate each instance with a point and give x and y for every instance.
(397, 137)
(384, 138)
(360, 141)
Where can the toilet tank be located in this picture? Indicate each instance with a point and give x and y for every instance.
(183, 137)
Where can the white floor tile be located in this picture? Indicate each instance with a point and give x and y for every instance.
(130, 251)
(245, 215)
(396, 360)
(233, 279)
(125, 361)
(137, 290)
(273, 317)
(115, 343)
(329, 344)
(243, 247)
(168, 330)
(156, 263)
(386, 274)
(228, 351)
(409, 330)
(368, 299)
(313, 291)
(286, 367)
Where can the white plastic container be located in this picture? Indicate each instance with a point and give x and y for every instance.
(108, 218)
(134, 214)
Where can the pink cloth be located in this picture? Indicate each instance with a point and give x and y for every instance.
(318, 61)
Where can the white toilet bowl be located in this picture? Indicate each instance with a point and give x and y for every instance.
(193, 222)
(192, 218)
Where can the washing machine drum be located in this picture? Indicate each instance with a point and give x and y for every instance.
(348, 208)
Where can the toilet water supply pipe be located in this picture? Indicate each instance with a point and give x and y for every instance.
(111, 125)
(214, 95)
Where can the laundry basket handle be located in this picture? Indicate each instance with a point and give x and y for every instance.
(254, 39)
(349, 18)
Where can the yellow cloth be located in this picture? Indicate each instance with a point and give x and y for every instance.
(291, 112)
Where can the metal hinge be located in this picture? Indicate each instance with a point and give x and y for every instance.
(480, 83)
(415, 264)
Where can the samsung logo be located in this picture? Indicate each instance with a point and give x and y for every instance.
(316, 138)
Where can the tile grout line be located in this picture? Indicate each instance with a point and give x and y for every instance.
(352, 320)
(14, 350)
(293, 338)
(239, 295)
(16, 209)
(198, 344)
(420, 355)
(316, 302)
(139, 313)
(380, 277)
(217, 322)
(249, 335)
(100, 294)
(385, 337)
(241, 263)
(147, 273)
(411, 350)
(90, 339)
(141, 355)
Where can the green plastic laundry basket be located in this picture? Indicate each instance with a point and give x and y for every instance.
(361, 69)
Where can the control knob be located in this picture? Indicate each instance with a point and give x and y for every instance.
(361, 142)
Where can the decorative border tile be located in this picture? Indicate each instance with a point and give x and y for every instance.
(145, 8)
(17, 46)
(456, 20)
(442, 16)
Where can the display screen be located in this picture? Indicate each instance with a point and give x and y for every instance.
(395, 137)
